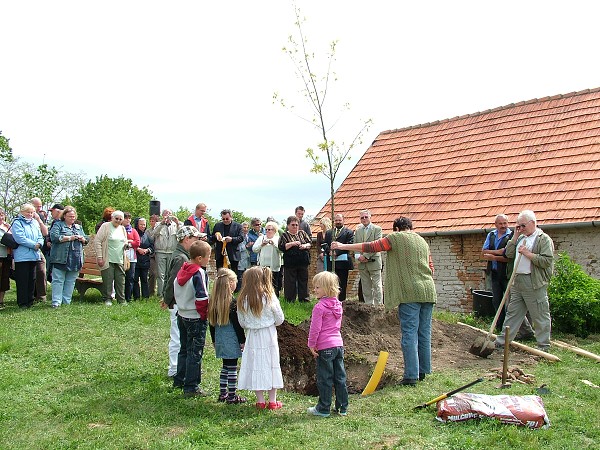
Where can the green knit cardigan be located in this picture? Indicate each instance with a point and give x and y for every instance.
(408, 278)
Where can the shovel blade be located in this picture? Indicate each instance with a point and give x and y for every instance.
(482, 347)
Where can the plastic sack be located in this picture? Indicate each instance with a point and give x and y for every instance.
(527, 410)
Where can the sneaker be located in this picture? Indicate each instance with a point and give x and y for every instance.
(197, 393)
(236, 399)
(408, 382)
(341, 413)
(274, 405)
(313, 410)
(108, 303)
(54, 305)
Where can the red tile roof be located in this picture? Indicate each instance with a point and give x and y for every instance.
(457, 174)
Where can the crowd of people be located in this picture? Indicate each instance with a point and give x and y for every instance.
(170, 258)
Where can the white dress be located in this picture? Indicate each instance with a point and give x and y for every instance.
(260, 369)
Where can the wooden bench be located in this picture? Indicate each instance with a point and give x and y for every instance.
(90, 267)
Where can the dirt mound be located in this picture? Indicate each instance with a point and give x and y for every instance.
(367, 330)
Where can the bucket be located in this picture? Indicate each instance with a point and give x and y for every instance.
(482, 303)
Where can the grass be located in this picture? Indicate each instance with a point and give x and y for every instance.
(89, 377)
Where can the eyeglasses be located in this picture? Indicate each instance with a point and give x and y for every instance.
(364, 217)
(523, 225)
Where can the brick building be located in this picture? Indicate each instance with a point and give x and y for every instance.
(453, 176)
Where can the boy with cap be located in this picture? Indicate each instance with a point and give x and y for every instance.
(186, 236)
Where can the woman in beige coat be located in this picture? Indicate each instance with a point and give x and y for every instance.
(110, 244)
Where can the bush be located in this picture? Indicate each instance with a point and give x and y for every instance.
(574, 298)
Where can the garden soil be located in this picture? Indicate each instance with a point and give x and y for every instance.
(366, 331)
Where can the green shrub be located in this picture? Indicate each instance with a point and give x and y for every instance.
(574, 298)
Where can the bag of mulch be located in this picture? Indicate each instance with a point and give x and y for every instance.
(526, 410)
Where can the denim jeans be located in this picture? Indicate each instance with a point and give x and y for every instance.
(331, 373)
(415, 325)
(63, 283)
(192, 335)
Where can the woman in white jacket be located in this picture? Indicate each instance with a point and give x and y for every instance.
(269, 254)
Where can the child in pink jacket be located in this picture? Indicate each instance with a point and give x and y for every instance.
(326, 344)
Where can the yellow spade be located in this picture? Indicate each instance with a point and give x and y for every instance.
(377, 373)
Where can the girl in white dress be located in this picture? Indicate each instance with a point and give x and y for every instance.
(259, 312)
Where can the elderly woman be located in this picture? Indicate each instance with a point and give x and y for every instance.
(295, 245)
(144, 252)
(66, 255)
(269, 255)
(28, 235)
(5, 260)
(110, 244)
(325, 224)
(408, 285)
(133, 240)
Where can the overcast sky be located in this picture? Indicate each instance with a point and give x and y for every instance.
(177, 95)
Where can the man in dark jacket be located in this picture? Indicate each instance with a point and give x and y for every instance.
(186, 236)
(343, 262)
(229, 234)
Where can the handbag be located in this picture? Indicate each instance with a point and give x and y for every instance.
(8, 240)
(126, 262)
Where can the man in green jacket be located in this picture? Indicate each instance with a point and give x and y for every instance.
(530, 288)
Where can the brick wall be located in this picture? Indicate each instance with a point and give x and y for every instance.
(459, 267)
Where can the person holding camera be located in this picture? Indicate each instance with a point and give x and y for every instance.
(268, 253)
(165, 241)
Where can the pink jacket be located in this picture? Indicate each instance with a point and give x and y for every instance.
(325, 324)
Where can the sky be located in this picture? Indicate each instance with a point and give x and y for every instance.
(177, 96)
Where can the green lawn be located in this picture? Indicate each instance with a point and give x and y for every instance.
(89, 376)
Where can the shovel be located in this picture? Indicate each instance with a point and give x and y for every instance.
(448, 394)
(484, 345)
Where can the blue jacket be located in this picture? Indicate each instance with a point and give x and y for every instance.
(27, 234)
(60, 250)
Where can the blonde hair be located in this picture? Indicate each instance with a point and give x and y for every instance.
(256, 285)
(325, 223)
(199, 248)
(26, 207)
(220, 297)
(329, 282)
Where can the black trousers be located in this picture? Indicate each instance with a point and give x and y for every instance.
(295, 281)
(25, 281)
(499, 284)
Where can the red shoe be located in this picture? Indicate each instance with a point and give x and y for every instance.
(260, 405)
(275, 405)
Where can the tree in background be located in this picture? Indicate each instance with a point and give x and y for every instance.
(120, 193)
(330, 155)
(21, 181)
